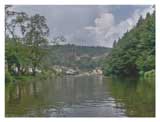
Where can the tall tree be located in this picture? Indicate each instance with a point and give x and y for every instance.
(15, 21)
(36, 39)
(25, 38)
(114, 43)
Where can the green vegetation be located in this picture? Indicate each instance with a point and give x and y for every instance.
(81, 57)
(28, 53)
(31, 57)
(134, 53)
(150, 75)
(26, 37)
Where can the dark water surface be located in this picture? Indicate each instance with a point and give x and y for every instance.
(80, 96)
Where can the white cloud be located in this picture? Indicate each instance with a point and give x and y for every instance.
(106, 31)
(102, 23)
(73, 22)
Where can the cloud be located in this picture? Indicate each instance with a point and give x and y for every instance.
(90, 24)
(102, 23)
(106, 30)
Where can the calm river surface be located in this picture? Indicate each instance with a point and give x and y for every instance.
(80, 96)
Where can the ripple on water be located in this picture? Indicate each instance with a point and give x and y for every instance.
(89, 108)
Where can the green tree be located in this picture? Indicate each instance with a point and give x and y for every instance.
(25, 38)
(36, 39)
(114, 43)
(16, 52)
(135, 51)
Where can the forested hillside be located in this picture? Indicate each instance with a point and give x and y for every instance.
(82, 57)
(135, 51)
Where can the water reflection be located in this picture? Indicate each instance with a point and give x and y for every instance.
(138, 97)
(73, 96)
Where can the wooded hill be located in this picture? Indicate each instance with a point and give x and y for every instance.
(135, 51)
(82, 57)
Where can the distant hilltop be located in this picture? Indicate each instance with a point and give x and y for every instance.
(83, 57)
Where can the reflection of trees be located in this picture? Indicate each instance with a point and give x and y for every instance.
(18, 93)
(74, 90)
(23, 97)
(56, 93)
(13, 93)
(34, 89)
(138, 99)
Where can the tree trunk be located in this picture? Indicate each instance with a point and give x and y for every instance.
(19, 69)
(34, 70)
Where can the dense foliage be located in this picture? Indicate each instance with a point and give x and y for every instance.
(135, 52)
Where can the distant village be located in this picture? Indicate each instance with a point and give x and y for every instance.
(75, 71)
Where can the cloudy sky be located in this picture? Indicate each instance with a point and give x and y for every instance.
(89, 25)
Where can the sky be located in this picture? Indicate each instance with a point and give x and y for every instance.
(89, 25)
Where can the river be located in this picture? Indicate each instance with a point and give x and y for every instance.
(80, 96)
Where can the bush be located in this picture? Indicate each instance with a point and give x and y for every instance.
(149, 75)
(8, 77)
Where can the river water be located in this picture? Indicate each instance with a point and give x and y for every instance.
(80, 96)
